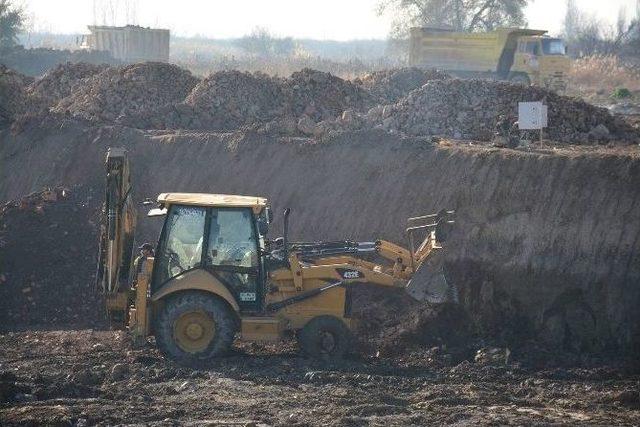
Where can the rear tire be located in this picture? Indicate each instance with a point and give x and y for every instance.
(325, 337)
(194, 327)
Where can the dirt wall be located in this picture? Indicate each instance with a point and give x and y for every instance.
(546, 245)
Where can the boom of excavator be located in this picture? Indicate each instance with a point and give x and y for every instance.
(215, 273)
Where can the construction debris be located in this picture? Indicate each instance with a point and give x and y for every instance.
(230, 99)
(309, 103)
(469, 109)
(323, 96)
(61, 81)
(137, 89)
(388, 86)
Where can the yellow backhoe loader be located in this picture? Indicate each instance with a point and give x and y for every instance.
(215, 274)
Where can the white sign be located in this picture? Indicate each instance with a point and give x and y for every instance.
(532, 115)
(247, 296)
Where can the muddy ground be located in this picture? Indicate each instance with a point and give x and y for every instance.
(88, 377)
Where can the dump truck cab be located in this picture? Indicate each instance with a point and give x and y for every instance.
(541, 61)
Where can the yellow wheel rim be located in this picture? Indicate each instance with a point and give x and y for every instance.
(194, 331)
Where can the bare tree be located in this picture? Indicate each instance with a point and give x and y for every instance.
(588, 35)
(262, 43)
(461, 15)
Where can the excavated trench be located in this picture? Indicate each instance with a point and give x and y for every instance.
(546, 244)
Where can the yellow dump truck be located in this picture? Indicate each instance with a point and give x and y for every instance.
(517, 55)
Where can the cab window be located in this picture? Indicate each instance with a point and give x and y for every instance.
(553, 47)
(232, 240)
(532, 48)
(232, 252)
(181, 248)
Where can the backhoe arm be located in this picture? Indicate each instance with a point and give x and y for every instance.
(118, 223)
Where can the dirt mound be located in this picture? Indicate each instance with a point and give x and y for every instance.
(230, 99)
(137, 89)
(62, 81)
(13, 96)
(310, 102)
(426, 325)
(469, 109)
(47, 260)
(323, 96)
(388, 86)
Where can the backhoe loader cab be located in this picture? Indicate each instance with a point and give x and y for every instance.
(219, 234)
(215, 275)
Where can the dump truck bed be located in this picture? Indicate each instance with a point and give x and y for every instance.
(468, 52)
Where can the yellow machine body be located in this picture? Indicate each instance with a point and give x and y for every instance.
(202, 250)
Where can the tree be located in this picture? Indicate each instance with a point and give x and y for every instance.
(11, 23)
(588, 35)
(460, 15)
(262, 43)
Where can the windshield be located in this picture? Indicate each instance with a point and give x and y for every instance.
(553, 47)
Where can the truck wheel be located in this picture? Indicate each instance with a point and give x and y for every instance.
(194, 327)
(521, 79)
(325, 337)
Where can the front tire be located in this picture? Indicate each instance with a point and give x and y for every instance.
(194, 327)
(325, 337)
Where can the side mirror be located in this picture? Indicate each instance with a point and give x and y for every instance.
(268, 214)
(263, 226)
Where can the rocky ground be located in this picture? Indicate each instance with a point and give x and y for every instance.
(95, 378)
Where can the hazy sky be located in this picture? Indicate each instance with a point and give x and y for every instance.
(322, 19)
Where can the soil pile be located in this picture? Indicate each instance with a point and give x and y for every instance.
(48, 246)
(323, 96)
(138, 90)
(310, 102)
(13, 96)
(425, 325)
(62, 81)
(388, 86)
(230, 99)
(470, 109)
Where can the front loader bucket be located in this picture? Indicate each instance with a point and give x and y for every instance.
(429, 283)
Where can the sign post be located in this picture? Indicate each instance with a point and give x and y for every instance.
(532, 116)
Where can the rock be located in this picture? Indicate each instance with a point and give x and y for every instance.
(98, 347)
(119, 371)
(600, 132)
(306, 125)
(348, 116)
(492, 356)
